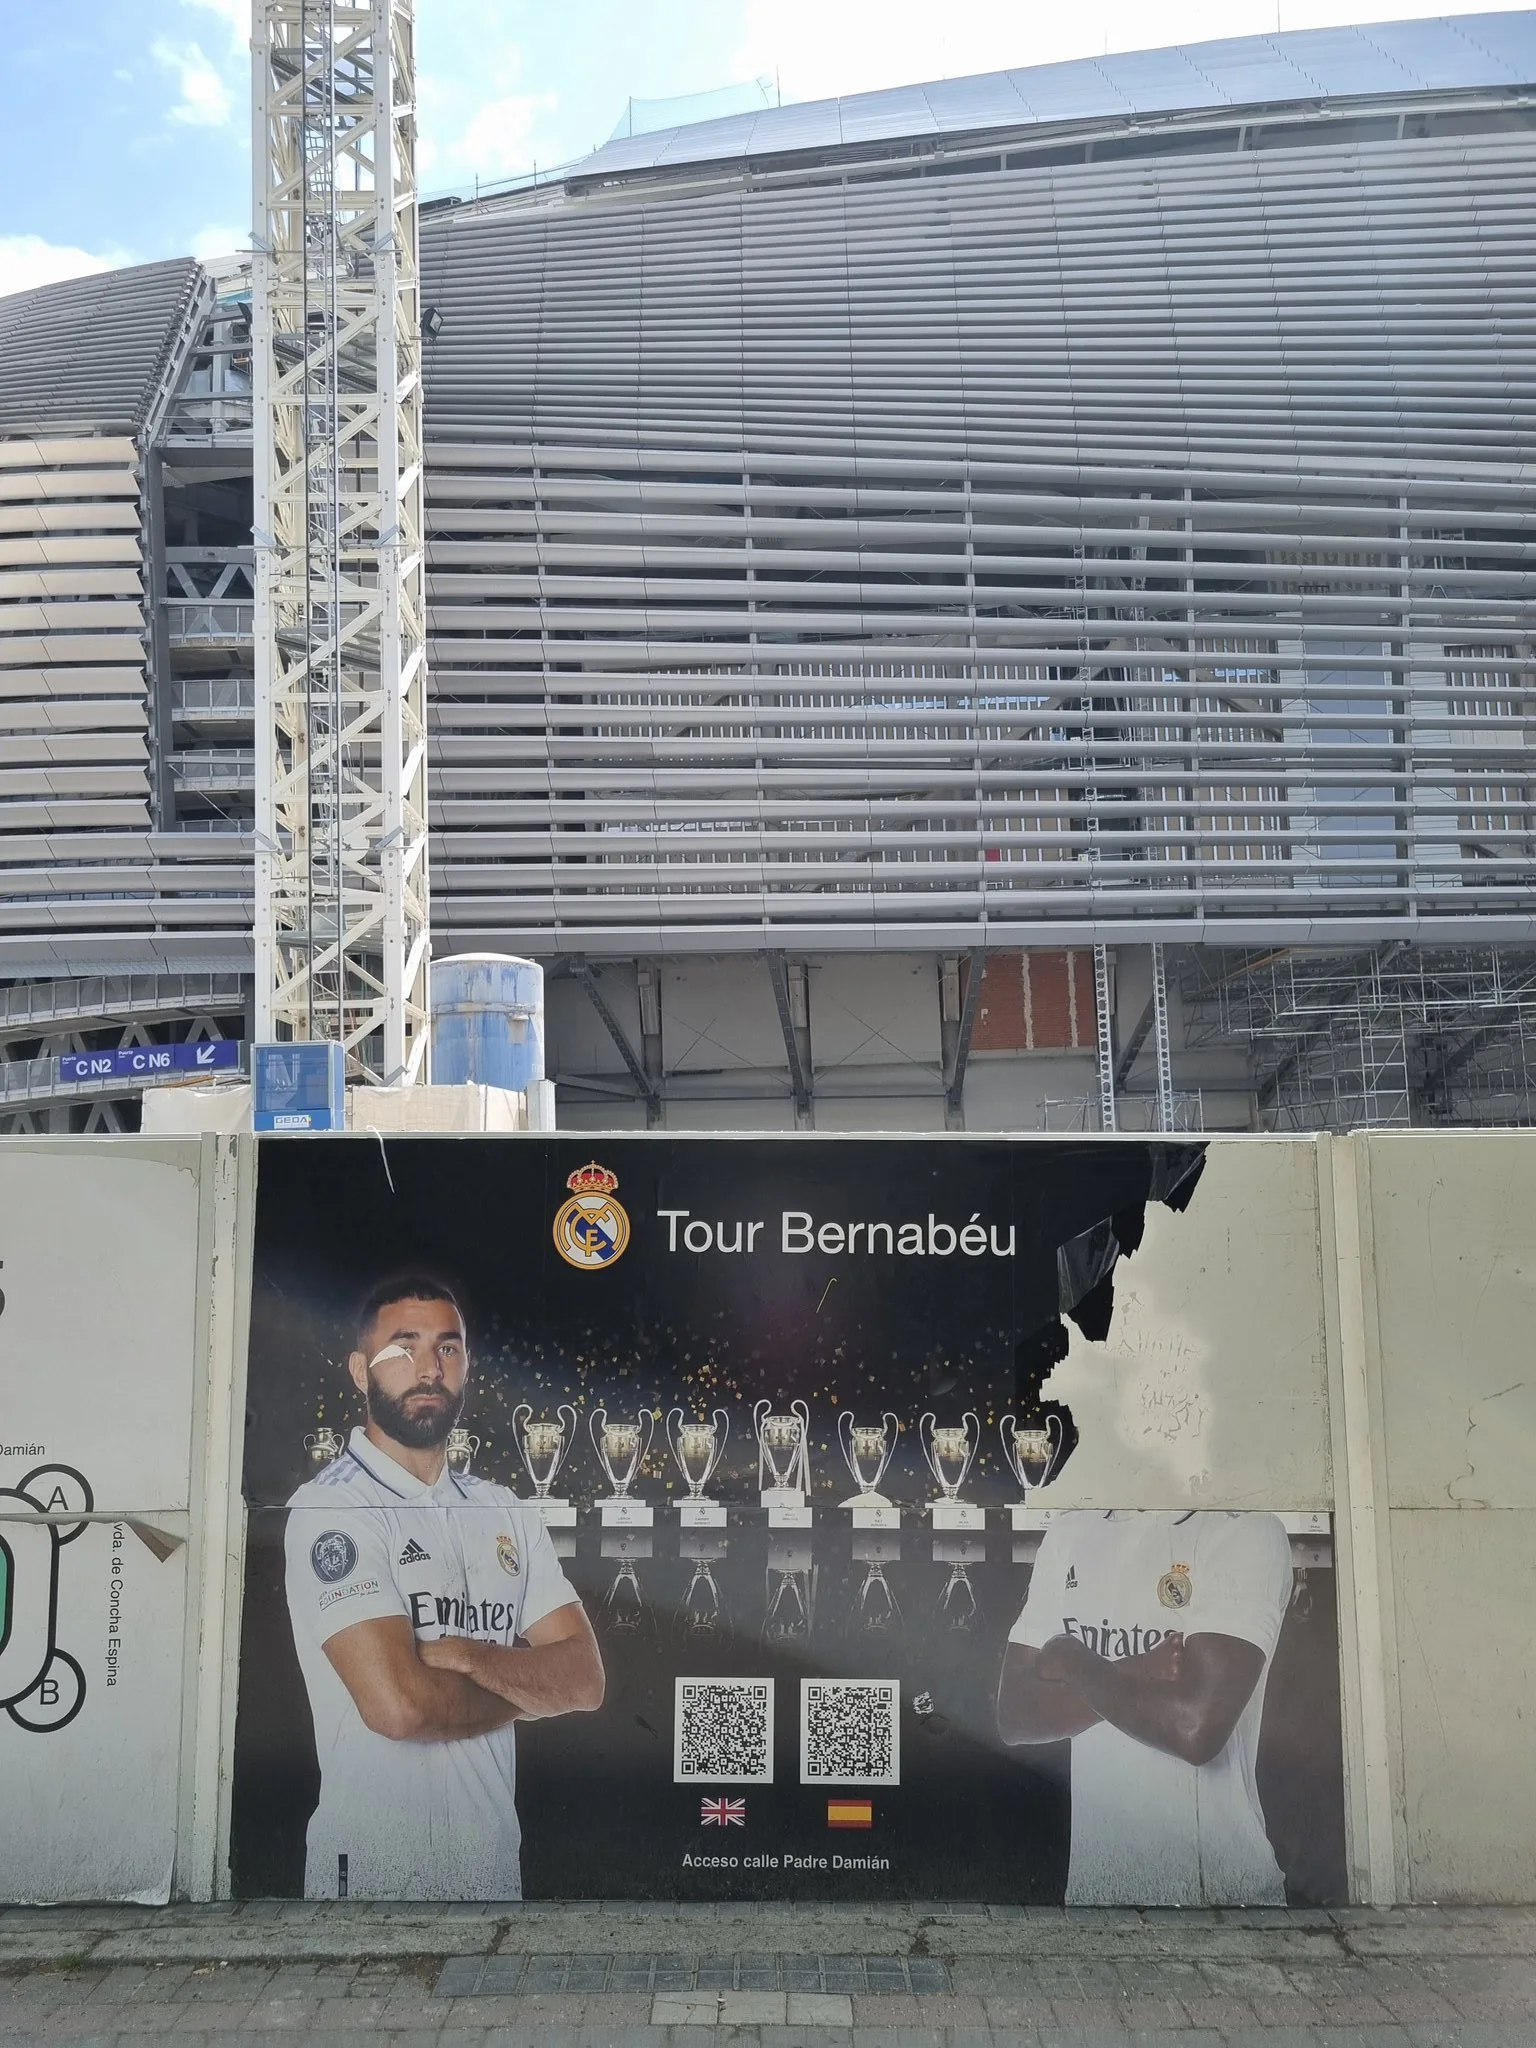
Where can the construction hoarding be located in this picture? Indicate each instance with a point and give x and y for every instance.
(719, 1518)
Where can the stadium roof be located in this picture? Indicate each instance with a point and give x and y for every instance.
(1446, 53)
(89, 355)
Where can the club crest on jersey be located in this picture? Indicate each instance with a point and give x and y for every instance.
(506, 1553)
(333, 1556)
(591, 1229)
(1174, 1588)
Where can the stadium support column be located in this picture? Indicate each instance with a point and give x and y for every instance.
(1162, 1042)
(1106, 1039)
(341, 816)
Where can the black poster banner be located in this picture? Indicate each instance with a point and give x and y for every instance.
(671, 1517)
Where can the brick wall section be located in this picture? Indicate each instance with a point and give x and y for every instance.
(1036, 1002)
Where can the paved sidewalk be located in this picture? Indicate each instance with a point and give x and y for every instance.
(627, 1976)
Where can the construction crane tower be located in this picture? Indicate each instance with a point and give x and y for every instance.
(341, 816)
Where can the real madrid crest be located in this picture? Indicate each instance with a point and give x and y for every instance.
(1174, 1588)
(506, 1553)
(591, 1229)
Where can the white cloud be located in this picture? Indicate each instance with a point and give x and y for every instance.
(236, 12)
(27, 261)
(210, 243)
(480, 126)
(206, 101)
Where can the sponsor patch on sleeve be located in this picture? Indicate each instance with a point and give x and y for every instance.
(359, 1586)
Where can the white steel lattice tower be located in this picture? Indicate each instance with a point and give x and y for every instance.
(341, 814)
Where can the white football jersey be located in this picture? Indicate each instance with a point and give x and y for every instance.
(1148, 1828)
(413, 1820)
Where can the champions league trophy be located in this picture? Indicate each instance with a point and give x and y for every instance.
(698, 1448)
(324, 1445)
(545, 1446)
(621, 1449)
(462, 1449)
(783, 1464)
(867, 1449)
(1032, 1456)
(950, 1451)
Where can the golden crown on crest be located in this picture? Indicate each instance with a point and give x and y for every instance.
(592, 1179)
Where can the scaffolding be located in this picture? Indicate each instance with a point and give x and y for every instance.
(341, 815)
(1391, 1035)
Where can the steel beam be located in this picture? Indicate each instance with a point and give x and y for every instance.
(954, 1075)
(789, 994)
(650, 1092)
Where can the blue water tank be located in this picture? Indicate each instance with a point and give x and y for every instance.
(487, 1021)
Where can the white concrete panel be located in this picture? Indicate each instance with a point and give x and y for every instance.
(872, 1010)
(894, 1113)
(1004, 1093)
(1466, 1629)
(1454, 1223)
(88, 1771)
(1211, 1387)
(720, 1014)
(730, 1116)
(599, 1116)
(99, 1329)
(576, 1041)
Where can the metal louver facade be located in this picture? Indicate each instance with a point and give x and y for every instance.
(877, 551)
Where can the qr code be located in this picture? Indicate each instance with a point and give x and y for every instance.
(850, 1731)
(724, 1731)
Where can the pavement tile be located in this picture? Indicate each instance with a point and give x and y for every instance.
(208, 2016)
(280, 2015)
(1219, 2012)
(819, 2009)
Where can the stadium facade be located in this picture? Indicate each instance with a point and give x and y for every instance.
(905, 574)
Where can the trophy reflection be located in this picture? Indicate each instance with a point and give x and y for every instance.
(698, 1448)
(544, 1447)
(702, 1618)
(621, 1449)
(624, 1611)
(867, 1449)
(323, 1446)
(875, 1616)
(1032, 1456)
(783, 1463)
(462, 1450)
(789, 1600)
(957, 1607)
(950, 1450)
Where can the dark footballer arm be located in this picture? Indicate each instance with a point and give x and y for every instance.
(400, 1696)
(1035, 1705)
(1184, 1698)
(560, 1671)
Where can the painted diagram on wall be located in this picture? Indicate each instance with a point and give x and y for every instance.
(42, 1686)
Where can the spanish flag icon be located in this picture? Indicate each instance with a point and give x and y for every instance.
(850, 1813)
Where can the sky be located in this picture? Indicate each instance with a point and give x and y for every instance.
(125, 132)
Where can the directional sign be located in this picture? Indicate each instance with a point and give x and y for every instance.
(143, 1062)
(299, 1086)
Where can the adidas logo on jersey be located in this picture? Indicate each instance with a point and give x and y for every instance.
(1071, 1578)
(414, 1554)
